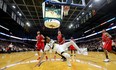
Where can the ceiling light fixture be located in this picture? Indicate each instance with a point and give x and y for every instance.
(97, 0)
(77, 18)
(28, 24)
(20, 14)
(83, 13)
(13, 6)
(71, 26)
(90, 6)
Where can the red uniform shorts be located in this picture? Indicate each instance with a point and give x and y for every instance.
(72, 47)
(108, 45)
(40, 46)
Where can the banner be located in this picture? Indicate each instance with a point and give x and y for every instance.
(1, 4)
(4, 7)
(22, 24)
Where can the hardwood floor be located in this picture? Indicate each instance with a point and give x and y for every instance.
(28, 60)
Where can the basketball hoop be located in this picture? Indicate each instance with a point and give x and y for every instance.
(66, 10)
(52, 23)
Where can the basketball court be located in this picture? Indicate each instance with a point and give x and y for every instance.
(59, 28)
(27, 61)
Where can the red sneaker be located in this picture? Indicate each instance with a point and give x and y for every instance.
(46, 57)
(38, 58)
(54, 56)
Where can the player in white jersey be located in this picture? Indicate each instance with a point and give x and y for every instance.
(50, 44)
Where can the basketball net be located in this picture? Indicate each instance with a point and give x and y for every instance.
(66, 10)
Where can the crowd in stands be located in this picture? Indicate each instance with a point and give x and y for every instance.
(8, 47)
(94, 45)
(91, 45)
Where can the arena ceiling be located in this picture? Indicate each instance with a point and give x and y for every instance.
(31, 11)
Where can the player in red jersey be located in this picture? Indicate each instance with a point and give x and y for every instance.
(72, 47)
(40, 43)
(60, 38)
(107, 44)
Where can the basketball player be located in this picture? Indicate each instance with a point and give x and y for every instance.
(72, 48)
(61, 40)
(60, 49)
(107, 44)
(9, 48)
(40, 43)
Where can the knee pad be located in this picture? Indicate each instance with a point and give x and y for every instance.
(66, 55)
